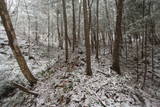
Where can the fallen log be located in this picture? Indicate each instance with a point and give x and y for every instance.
(22, 88)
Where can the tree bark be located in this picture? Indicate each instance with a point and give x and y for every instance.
(87, 39)
(74, 25)
(62, 33)
(79, 22)
(90, 2)
(108, 23)
(118, 36)
(65, 29)
(97, 35)
(14, 44)
(58, 31)
(48, 29)
(36, 29)
(29, 29)
(143, 15)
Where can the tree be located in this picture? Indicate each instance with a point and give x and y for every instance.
(108, 24)
(62, 31)
(90, 2)
(79, 22)
(58, 30)
(97, 35)
(29, 29)
(65, 29)
(48, 30)
(13, 43)
(87, 39)
(36, 31)
(74, 25)
(118, 36)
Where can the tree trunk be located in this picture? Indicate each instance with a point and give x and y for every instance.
(74, 25)
(118, 36)
(65, 29)
(87, 39)
(62, 33)
(152, 33)
(48, 50)
(144, 43)
(108, 25)
(58, 31)
(17, 14)
(79, 22)
(97, 35)
(29, 29)
(137, 56)
(145, 55)
(36, 29)
(90, 20)
(143, 15)
(14, 44)
(103, 38)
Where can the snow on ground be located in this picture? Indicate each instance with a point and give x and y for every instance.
(9, 69)
(66, 85)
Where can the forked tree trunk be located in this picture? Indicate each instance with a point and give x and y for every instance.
(87, 39)
(118, 34)
(14, 44)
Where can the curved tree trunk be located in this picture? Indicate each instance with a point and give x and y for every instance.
(14, 44)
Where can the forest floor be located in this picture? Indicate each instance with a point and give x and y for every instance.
(66, 85)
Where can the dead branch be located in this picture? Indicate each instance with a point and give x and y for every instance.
(97, 97)
(22, 88)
